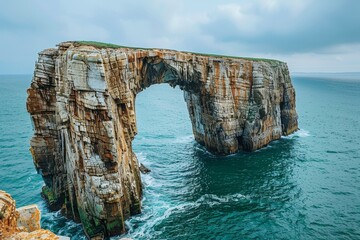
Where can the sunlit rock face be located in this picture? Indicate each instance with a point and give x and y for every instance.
(21, 223)
(82, 103)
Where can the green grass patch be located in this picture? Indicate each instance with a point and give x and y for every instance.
(110, 45)
(105, 45)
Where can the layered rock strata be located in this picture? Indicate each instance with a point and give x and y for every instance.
(22, 223)
(82, 104)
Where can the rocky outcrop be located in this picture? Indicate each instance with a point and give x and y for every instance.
(82, 104)
(8, 215)
(22, 223)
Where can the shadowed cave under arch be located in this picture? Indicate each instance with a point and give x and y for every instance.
(82, 103)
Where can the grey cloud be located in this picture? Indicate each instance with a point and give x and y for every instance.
(256, 27)
(321, 24)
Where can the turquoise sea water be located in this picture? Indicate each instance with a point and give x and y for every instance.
(305, 186)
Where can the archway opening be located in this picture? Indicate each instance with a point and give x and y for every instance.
(163, 125)
(165, 145)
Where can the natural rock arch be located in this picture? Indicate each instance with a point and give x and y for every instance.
(82, 103)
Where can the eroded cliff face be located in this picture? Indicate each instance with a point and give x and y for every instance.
(82, 103)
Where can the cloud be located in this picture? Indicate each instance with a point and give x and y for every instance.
(342, 58)
(273, 28)
(282, 26)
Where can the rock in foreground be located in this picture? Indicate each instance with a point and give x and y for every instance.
(82, 103)
(22, 223)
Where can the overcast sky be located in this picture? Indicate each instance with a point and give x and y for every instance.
(310, 35)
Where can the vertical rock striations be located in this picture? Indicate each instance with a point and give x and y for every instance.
(82, 103)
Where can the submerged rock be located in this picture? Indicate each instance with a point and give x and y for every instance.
(82, 104)
(143, 169)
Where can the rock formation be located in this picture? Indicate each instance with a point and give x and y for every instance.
(82, 104)
(22, 223)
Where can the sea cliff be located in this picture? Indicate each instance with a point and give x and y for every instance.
(82, 104)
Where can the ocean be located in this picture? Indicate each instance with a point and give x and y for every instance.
(303, 186)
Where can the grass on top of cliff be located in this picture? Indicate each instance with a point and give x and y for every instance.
(110, 45)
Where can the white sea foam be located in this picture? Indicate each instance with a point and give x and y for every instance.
(213, 199)
(184, 139)
(148, 181)
(141, 156)
(206, 199)
(150, 224)
(302, 133)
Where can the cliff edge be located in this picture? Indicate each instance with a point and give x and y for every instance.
(82, 104)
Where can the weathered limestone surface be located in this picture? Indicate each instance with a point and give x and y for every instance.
(8, 215)
(30, 218)
(82, 103)
(22, 223)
